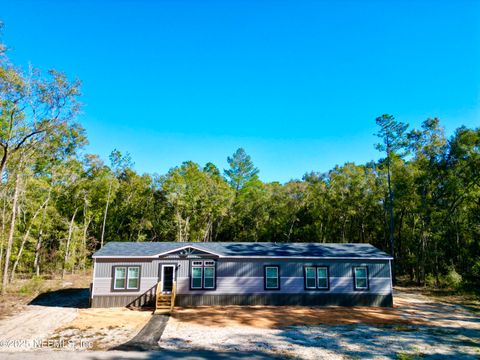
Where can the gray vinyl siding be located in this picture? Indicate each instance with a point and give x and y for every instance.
(246, 276)
(288, 285)
(150, 274)
(294, 268)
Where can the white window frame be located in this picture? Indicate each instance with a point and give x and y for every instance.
(213, 277)
(128, 277)
(327, 277)
(162, 274)
(203, 264)
(277, 268)
(355, 278)
(315, 277)
(125, 268)
(192, 277)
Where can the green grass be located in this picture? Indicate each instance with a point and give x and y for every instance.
(405, 356)
(404, 328)
(32, 287)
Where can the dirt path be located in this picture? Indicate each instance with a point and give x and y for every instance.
(61, 319)
(34, 323)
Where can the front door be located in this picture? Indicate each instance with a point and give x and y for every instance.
(168, 272)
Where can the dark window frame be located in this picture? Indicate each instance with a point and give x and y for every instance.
(126, 288)
(367, 288)
(316, 288)
(265, 278)
(203, 288)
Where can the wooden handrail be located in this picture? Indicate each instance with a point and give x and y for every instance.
(174, 293)
(158, 291)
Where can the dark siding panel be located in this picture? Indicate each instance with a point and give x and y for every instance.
(273, 299)
(146, 299)
(284, 299)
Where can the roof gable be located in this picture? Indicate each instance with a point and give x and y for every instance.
(188, 250)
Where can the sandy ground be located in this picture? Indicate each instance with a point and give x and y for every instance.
(417, 326)
(101, 328)
(35, 323)
(60, 318)
(16, 301)
(68, 328)
(130, 355)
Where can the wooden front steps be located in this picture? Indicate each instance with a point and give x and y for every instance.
(164, 303)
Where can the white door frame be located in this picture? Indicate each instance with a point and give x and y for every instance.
(161, 273)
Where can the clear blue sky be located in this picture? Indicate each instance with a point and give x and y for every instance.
(298, 84)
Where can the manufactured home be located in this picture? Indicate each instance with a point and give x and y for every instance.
(171, 274)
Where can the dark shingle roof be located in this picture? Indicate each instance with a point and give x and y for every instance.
(238, 249)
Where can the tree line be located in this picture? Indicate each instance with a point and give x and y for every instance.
(420, 201)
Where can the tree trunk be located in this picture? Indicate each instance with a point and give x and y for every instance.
(67, 246)
(24, 240)
(2, 237)
(3, 161)
(207, 234)
(11, 234)
(179, 222)
(38, 247)
(105, 214)
(391, 222)
(84, 243)
(187, 229)
(290, 230)
(86, 223)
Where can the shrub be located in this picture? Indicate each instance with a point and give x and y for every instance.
(33, 286)
(476, 269)
(430, 281)
(453, 279)
(405, 356)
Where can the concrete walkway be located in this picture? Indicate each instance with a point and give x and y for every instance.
(148, 338)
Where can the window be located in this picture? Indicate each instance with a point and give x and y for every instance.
(197, 277)
(322, 277)
(209, 277)
(316, 277)
(126, 277)
(360, 277)
(310, 277)
(202, 275)
(272, 278)
(120, 277)
(133, 277)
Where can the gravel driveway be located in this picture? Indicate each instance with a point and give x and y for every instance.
(417, 326)
(18, 332)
